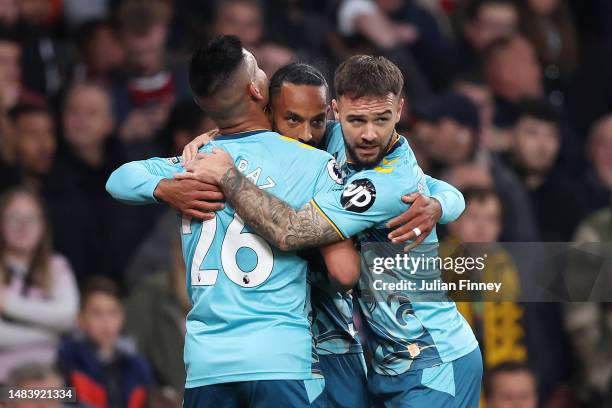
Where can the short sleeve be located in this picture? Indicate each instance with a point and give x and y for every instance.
(368, 199)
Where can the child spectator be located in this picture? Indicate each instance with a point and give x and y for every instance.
(103, 368)
(38, 295)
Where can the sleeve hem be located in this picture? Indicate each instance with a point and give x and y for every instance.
(334, 226)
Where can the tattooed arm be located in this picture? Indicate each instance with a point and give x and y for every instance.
(282, 225)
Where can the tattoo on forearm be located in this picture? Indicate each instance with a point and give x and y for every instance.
(279, 223)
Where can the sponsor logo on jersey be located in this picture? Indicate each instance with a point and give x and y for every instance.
(358, 196)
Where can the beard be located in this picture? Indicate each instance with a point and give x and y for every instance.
(369, 161)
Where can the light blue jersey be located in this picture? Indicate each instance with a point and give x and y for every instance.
(333, 327)
(407, 334)
(249, 316)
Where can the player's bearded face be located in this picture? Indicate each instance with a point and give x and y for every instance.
(368, 125)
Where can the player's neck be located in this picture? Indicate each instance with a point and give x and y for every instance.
(255, 119)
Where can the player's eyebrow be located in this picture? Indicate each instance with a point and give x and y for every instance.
(351, 117)
(321, 115)
(294, 115)
(387, 112)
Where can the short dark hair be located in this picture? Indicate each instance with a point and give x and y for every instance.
(213, 63)
(23, 109)
(478, 194)
(96, 285)
(473, 7)
(366, 75)
(297, 73)
(538, 109)
(507, 367)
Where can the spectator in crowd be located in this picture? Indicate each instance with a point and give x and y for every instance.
(598, 181)
(34, 141)
(548, 25)
(472, 85)
(244, 19)
(536, 143)
(395, 26)
(75, 188)
(513, 73)
(446, 129)
(10, 74)
(485, 22)
(9, 13)
(156, 314)
(510, 385)
(100, 52)
(496, 318)
(99, 235)
(105, 370)
(367, 27)
(144, 94)
(446, 134)
(586, 319)
(43, 58)
(38, 294)
(34, 376)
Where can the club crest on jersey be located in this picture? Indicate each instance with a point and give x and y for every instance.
(358, 196)
(334, 171)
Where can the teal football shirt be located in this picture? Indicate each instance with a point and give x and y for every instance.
(249, 317)
(407, 333)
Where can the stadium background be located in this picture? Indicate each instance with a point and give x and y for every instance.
(510, 101)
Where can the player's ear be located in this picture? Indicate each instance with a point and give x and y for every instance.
(400, 107)
(254, 92)
(334, 105)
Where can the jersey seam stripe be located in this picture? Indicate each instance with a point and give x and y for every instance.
(334, 226)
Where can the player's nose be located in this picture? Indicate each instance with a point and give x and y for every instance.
(368, 134)
(306, 134)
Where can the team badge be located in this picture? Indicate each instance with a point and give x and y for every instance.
(334, 171)
(358, 196)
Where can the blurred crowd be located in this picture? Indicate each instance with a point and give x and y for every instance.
(509, 100)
